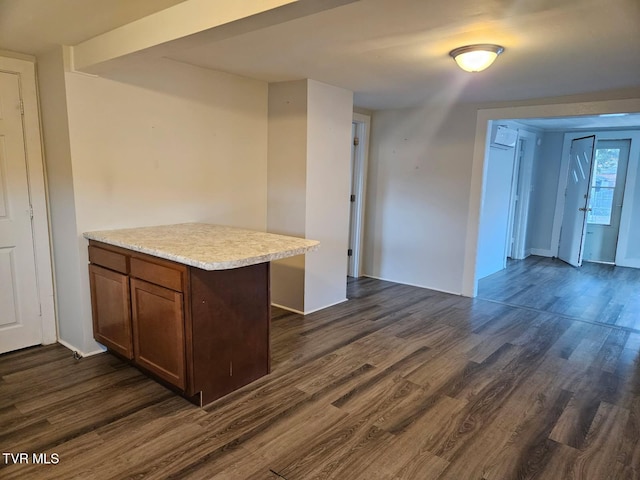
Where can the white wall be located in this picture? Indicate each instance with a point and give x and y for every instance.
(630, 253)
(287, 186)
(181, 144)
(418, 194)
(308, 190)
(163, 143)
(330, 114)
(494, 219)
(546, 171)
(425, 184)
(55, 131)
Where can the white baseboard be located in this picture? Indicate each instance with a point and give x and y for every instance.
(307, 312)
(543, 252)
(326, 306)
(288, 309)
(78, 351)
(414, 285)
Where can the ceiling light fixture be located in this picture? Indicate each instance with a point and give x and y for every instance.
(475, 58)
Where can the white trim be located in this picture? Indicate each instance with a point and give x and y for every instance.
(308, 312)
(512, 222)
(18, 56)
(523, 182)
(363, 128)
(78, 351)
(25, 68)
(540, 252)
(469, 280)
(413, 285)
(289, 309)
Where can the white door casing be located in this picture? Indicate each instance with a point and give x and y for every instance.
(574, 219)
(514, 202)
(352, 201)
(20, 324)
(359, 164)
(521, 232)
(25, 243)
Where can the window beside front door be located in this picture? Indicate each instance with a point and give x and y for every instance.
(603, 185)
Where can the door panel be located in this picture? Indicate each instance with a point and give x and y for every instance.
(20, 320)
(158, 331)
(575, 203)
(110, 309)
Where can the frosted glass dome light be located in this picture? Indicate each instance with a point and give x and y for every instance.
(475, 58)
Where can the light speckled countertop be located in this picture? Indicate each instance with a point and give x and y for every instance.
(206, 246)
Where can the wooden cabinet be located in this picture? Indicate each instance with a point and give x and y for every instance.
(111, 312)
(158, 331)
(205, 333)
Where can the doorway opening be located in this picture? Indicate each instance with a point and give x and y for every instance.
(505, 233)
(596, 216)
(584, 205)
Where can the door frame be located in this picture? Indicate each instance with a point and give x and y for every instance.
(361, 164)
(24, 67)
(632, 172)
(524, 171)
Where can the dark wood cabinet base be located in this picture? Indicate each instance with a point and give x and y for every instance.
(234, 351)
(202, 333)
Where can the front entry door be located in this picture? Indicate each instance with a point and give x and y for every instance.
(20, 321)
(605, 200)
(575, 202)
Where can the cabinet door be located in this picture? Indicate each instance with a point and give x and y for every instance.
(110, 307)
(158, 331)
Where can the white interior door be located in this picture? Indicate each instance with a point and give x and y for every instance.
(576, 200)
(20, 322)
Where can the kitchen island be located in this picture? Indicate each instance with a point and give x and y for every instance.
(188, 304)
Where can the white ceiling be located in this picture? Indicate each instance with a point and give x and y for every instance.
(36, 26)
(390, 53)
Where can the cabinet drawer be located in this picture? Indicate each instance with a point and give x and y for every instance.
(155, 273)
(111, 260)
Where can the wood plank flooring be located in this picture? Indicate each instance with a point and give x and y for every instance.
(593, 292)
(397, 383)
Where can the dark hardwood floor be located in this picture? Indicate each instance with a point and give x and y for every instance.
(593, 292)
(398, 383)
